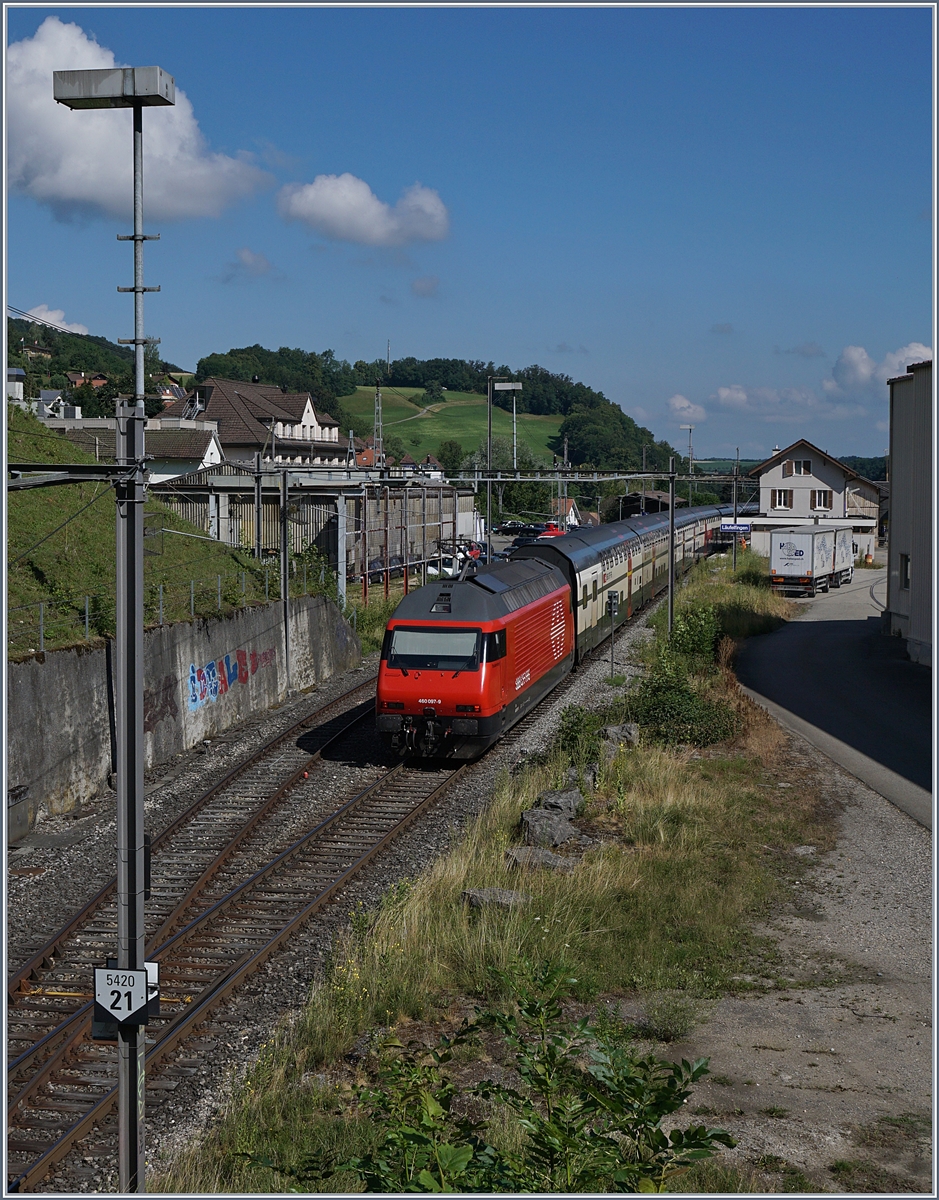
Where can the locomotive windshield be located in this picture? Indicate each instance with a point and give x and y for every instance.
(434, 649)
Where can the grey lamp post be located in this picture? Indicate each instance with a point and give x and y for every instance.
(135, 88)
(493, 387)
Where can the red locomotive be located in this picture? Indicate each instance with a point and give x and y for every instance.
(464, 659)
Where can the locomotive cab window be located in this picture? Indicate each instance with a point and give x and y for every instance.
(413, 649)
(494, 645)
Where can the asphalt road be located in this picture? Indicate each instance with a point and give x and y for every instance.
(833, 677)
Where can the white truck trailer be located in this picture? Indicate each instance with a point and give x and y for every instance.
(810, 558)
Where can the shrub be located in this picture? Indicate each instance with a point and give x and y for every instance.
(669, 709)
(694, 634)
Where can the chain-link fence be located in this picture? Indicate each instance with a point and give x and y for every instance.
(60, 621)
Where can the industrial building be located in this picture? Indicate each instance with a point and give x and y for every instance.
(910, 537)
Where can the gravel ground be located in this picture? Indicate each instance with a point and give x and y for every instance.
(846, 1054)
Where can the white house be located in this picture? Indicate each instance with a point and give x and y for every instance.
(803, 485)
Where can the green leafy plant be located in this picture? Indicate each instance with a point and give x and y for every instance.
(590, 1112)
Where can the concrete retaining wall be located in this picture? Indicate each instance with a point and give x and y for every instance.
(200, 679)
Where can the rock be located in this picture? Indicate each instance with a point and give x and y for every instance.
(803, 851)
(542, 827)
(500, 897)
(568, 802)
(533, 856)
(624, 735)
(586, 777)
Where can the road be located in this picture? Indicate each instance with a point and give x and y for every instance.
(831, 676)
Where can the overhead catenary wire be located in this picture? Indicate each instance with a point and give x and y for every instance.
(67, 521)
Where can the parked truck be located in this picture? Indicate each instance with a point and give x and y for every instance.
(811, 559)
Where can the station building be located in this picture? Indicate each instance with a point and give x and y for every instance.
(803, 485)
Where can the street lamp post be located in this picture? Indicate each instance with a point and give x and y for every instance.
(135, 88)
(493, 386)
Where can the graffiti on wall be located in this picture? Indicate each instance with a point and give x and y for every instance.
(159, 702)
(219, 676)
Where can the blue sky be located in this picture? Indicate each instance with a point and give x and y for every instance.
(719, 216)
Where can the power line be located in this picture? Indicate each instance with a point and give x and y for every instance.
(25, 316)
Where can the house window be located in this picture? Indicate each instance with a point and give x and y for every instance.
(781, 498)
(905, 572)
(798, 466)
(821, 498)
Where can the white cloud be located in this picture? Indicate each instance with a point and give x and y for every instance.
(344, 207)
(81, 161)
(783, 404)
(250, 265)
(683, 410)
(856, 374)
(56, 316)
(427, 285)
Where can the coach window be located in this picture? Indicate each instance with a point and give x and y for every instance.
(585, 595)
(595, 590)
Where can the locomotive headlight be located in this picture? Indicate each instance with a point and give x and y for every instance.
(392, 704)
(467, 708)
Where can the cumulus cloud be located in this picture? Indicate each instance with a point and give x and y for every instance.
(783, 404)
(56, 316)
(345, 208)
(857, 374)
(249, 266)
(682, 409)
(567, 348)
(81, 161)
(723, 327)
(427, 285)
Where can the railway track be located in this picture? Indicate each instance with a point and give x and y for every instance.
(214, 920)
(49, 1005)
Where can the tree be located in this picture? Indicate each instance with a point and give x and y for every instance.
(433, 392)
(450, 455)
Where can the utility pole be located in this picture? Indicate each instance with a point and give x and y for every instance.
(514, 435)
(379, 445)
(671, 545)
(285, 571)
(736, 472)
(258, 509)
(492, 386)
(134, 88)
(642, 507)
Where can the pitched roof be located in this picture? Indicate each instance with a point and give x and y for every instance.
(783, 454)
(244, 411)
(161, 443)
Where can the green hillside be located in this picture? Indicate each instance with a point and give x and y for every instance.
(461, 417)
(61, 549)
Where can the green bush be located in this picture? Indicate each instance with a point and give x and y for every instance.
(694, 634)
(669, 709)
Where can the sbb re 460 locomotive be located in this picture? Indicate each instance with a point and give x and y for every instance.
(464, 659)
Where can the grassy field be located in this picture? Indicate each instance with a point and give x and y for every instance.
(61, 548)
(461, 417)
(691, 850)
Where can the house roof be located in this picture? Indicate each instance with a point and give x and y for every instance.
(784, 454)
(161, 443)
(245, 411)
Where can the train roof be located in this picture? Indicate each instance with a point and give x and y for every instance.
(587, 545)
(492, 592)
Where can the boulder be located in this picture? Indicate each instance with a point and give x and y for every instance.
(542, 827)
(568, 802)
(497, 897)
(533, 856)
(623, 735)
